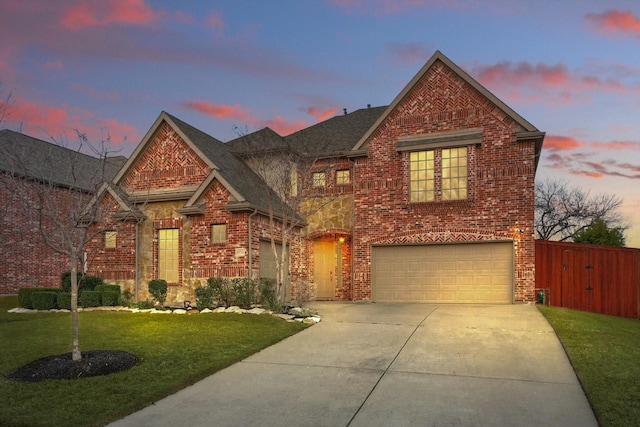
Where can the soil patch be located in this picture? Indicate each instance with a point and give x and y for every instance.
(62, 367)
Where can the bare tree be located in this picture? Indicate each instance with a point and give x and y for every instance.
(562, 211)
(292, 195)
(56, 185)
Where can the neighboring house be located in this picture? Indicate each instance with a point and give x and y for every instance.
(36, 174)
(429, 199)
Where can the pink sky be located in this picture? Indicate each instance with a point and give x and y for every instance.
(107, 68)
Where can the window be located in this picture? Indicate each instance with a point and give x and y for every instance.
(421, 178)
(219, 233)
(454, 174)
(168, 254)
(343, 177)
(110, 238)
(319, 179)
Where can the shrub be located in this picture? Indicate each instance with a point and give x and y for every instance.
(65, 282)
(45, 300)
(244, 291)
(107, 288)
(110, 298)
(64, 300)
(204, 297)
(90, 299)
(126, 298)
(84, 282)
(221, 290)
(24, 295)
(267, 286)
(142, 304)
(110, 294)
(158, 289)
(304, 292)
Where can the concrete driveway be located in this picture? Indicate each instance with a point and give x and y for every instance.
(393, 365)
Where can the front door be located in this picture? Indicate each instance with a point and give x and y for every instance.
(324, 272)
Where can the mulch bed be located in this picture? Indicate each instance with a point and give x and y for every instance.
(62, 367)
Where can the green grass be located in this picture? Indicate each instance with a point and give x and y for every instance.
(175, 351)
(605, 354)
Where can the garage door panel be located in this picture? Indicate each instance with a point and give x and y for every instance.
(453, 273)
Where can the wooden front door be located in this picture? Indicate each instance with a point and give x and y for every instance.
(324, 272)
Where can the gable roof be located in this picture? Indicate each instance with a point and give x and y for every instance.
(240, 180)
(530, 131)
(263, 141)
(335, 136)
(43, 161)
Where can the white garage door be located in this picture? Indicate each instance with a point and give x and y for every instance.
(453, 273)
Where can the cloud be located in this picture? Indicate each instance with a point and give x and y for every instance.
(214, 21)
(561, 143)
(284, 126)
(534, 83)
(319, 114)
(246, 117)
(94, 14)
(60, 122)
(221, 111)
(617, 145)
(614, 21)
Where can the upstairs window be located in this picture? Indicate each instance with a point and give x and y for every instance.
(422, 176)
(452, 165)
(454, 173)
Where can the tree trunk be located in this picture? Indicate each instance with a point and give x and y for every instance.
(75, 330)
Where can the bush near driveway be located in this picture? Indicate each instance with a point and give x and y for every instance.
(605, 354)
(175, 351)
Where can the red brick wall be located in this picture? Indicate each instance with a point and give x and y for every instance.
(500, 176)
(167, 162)
(27, 260)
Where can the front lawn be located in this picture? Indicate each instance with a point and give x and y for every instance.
(175, 351)
(605, 354)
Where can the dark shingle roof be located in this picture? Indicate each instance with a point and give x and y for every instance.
(240, 176)
(30, 157)
(335, 136)
(262, 141)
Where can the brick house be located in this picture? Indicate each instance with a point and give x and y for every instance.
(429, 199)
(36, 173)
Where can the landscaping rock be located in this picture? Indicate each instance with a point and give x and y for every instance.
(232, 309)
(220, 310)
(206, 310)
(180, 311)
(284, 316)
(22, 310)
(256, 310)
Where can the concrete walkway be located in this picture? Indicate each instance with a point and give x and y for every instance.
(393, 365)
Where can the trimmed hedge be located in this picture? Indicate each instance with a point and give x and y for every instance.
(110, 298)
(64, 300)
(44, 300)
(24, 295)
(90, 299)
(107, 288)
(85, 283)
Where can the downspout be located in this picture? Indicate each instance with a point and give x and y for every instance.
(353, 226)
(250, 252)
(137, 262)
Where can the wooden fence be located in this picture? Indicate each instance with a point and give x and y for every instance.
(599, 279)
